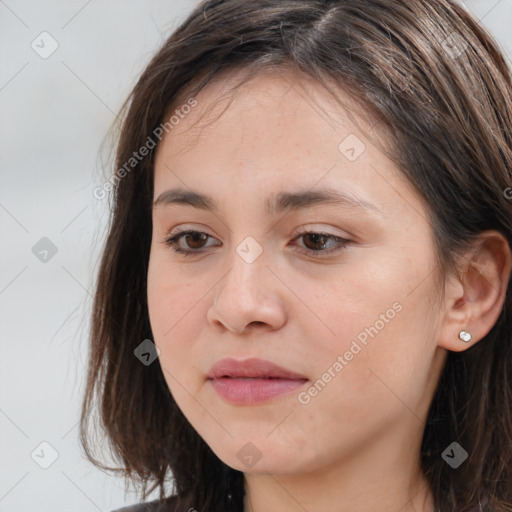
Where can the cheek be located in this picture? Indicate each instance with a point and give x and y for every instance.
(361, 386)
(174, 306)
(170, 296)
(166, 299)
(382, 332)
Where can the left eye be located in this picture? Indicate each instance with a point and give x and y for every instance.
(315, 242)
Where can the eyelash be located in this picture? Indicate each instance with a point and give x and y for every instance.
(172, 242)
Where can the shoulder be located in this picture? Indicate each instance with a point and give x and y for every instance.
(169, 505)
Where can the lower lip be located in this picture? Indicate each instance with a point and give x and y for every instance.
(251, 391)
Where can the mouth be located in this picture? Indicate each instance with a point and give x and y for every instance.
(254, 378)
(252, 368)
(252, 381)
(253, 390)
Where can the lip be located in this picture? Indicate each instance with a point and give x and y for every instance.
(252, 380)
(251, 368)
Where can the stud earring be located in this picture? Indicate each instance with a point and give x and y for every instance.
(465, 336)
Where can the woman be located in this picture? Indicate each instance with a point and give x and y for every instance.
(304, 298)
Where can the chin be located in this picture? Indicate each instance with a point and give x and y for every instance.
(253, 454)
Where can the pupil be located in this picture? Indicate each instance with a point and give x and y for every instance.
(195, 238)
(316, 239)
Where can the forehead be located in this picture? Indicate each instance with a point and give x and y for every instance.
(274, 128)
(263, 103)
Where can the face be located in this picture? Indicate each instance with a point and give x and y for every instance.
(337, 291)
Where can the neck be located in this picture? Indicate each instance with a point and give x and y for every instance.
(271, 494)
(383, 476)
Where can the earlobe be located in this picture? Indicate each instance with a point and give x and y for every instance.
(474, 302)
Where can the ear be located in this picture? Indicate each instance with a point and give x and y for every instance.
(474, 299)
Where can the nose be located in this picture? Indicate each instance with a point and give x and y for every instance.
(248, 297)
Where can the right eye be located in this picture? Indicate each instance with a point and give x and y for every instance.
(194, 240)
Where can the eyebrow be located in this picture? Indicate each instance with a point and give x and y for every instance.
(279, 202)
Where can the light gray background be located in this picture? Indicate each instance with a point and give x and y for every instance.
(54, 115)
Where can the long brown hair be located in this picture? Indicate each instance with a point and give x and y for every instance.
(438, 85)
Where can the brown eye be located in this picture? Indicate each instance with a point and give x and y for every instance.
(317, 243)
(194, 241)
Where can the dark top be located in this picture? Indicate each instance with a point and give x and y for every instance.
(153, 506)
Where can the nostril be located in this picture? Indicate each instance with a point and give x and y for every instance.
(257, 323)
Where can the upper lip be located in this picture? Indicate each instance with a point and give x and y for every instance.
(252, 367)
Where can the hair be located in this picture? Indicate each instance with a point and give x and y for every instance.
(447, 114)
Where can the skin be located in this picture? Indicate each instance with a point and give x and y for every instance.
(355, 445)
